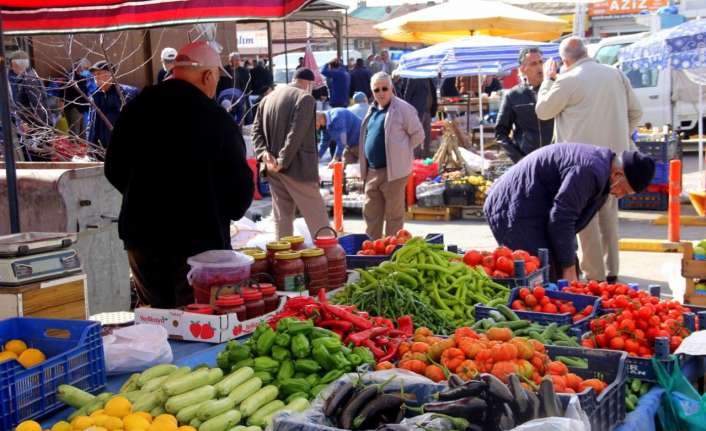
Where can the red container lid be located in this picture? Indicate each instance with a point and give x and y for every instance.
(326, 241)
(229, 301)
(267, 289)
(199, 309)
(252, 295)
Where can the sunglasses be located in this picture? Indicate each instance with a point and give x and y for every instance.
(383, 89)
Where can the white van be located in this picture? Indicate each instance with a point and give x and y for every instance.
(667, 96)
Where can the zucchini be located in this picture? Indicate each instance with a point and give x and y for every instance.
(196, 423)
(153, 384)
(130, 384)
(178, 402)
(245, 390)
(298, 405)
(73, 396)
(159, 410)
(213, 408)
(187, 413)
(258, 418)
(146, 402)
(214, 376)
(77, 412)
(222, 422)
(507, 312)
(258, 399)
(495, 315)
(186, 383)
(181, 371)
(154, 372)
(132, 396)
(96, 404)
(233, 380)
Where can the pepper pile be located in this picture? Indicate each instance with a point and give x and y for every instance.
(535, 299)
(297, 357)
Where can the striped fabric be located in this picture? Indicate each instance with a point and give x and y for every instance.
(81, 16)
(472, 55)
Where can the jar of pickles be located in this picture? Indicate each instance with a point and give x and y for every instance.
(260, 265)
(274, 247)
(335, 256)
(297, 242)
(315, 269)
(289, 271)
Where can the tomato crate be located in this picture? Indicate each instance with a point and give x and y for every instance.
(661, 173)
(481, 312)
(580, 302)
(661, 151)
(521, 279)
(606, 410)
(74, 351)
(352, 243)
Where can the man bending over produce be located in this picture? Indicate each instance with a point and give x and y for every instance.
(551, 194)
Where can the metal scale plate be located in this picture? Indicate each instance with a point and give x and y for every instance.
(31, 257)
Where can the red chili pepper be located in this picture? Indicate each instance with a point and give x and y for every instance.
(341, 325)
(381, 321)
(359, 337)
(382, 340)
(377, 352)
(322, 296)
(406, 325)
(391, 351)
(396, 333)
(340, 333)
(356, 320)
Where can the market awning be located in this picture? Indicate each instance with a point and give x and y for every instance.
(458, 18)
(27, 17)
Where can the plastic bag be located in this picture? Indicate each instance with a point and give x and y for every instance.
(215, 268)
(136, 348)
(575, 419)
(682, 408)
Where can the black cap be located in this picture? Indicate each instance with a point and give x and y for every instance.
(639, 169)
(305, 74)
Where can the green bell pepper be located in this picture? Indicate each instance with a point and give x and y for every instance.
(300, 346)
(306, 366)
(354, 359)
(340, 361)
(280, 353)
(264, 376)
(266, 364)
(300, 327)
(312, 379)
(290, 386)
(283, 340)
(331, 376)
(265, 342)
(286, 370)
(323, 357)
(316, 389)
(283, 324)
(332, 344)
(239, 353)
(322, 333)
(250, 362)
(365, 354)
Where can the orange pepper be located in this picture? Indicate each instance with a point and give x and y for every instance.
(414, 365)
(467, 370)
(385, 365)
(465, 332)
(453, 357)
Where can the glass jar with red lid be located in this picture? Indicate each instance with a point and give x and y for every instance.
(269, 295)
(296, 241)
(260, 265)
(335, 256)
(199, 309)
(254, 304)
(274, 247)
(289, 271)
(232, 304)
(315, 269)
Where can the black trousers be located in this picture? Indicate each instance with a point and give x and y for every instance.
(160, 279)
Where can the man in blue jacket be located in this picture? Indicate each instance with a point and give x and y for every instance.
(552, 193)
(343, 127)
(340, 82)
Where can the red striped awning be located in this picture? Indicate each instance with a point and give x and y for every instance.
(27, 17)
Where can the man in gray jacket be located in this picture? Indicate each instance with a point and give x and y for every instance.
(284, 136)
(389, 133)
(591, 103)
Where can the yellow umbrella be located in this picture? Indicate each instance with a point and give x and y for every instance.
(427, 38)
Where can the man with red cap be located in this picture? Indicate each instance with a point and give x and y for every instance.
(179, 161)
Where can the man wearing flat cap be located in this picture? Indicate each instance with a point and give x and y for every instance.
(284, 136)
(554, 192)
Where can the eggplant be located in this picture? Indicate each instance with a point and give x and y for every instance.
(391, 427)
(393, 416)
(507, 419)
(550, 404)
(355, 405)
(496, 388)
(371, 413)
(468, 389)
(338, 399)
(535, 408)
(455, 380)
(471, 408)
(520, 403)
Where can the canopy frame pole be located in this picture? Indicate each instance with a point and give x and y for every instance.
(286, 52)
(9, 144)
(701, 128)
(480, 117)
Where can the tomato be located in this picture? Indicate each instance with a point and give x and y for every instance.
(627, 325)
(549, 308)
(379, 246)
(367, 245)
(502, 251)
(489, 261)
(390, 240)
(545, 300)
(617, 343)
(472, 258)
(530, 267)
(538, 292)
(674, 342)
(390, 249)
(520, 255)
(404, 235)
(611, 331)
(500, 274)
(517, 305)
(488, 270)
(530, 300)
(602, 340)
(632, 346)
(524, 292)
(505, 265)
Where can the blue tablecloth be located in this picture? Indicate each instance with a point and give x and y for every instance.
(186, 353)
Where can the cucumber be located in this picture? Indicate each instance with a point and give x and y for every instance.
(157, 411)
(233, 380)
(153, 384)
(130, 384)
(495, 315)
(154, 372)
(186, 383)
(258, 399)
(507, 312)
(189, 412)
(214, 408)
(214, 376)
(222, 422)
(513, 324)
(196, 423)
(245, 390)
(297, 405)
(74, 397)
(146, 402)
(178, 402)
(258, 418)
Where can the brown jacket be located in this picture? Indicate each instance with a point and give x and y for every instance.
(285, 125)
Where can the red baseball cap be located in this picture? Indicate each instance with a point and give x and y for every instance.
(199, 54)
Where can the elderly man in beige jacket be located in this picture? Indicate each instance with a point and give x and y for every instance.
(591, 103)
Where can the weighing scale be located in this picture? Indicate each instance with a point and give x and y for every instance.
(31, 257)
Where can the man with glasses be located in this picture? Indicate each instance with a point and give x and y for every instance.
(388, 136)
(178, 159)
(517, 116)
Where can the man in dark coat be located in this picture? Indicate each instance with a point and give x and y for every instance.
(421, 93)
(178, 159)
(339, 83)
(238, 76)
(550, 195)
(517, 115)
(360, 79)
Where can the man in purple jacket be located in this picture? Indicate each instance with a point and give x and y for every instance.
(551, 194)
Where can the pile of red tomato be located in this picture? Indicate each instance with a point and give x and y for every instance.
(535, 299)
(612, 295)
(384, 246)
(501, 262)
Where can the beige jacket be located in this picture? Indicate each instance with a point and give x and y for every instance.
(403, 132)
(591, 103)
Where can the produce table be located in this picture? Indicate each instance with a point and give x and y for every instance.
(186, 353)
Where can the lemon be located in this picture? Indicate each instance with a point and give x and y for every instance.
(80, 423)
(31, 357)
(61, 426)
(16, 346)
(145, 415)
(95, 428)
(162, 426)
(29, 426)
(113, 424)
(97, 413)
(118, 407)
(7, 355)
(186, 428)
(169, 419)
(135, 422)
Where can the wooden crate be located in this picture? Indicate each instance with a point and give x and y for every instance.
(692, 270)
(433, 214)
(472, 212)
(61, 298)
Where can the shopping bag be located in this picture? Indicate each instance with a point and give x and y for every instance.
(136, 348)
(681, 408)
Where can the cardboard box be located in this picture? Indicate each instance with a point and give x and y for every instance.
(182, 325)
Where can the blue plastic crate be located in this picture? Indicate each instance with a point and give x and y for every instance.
(652, 201)
(661, 173)
(540, 276)
(74, 351)
(580, 302)
(481, 312)
(660, 151)
(352, 243)
(606, 410)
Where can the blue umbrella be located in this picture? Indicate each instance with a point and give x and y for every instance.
(680, 47)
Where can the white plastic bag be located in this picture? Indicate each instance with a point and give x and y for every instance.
(136, 348)
(575, 419)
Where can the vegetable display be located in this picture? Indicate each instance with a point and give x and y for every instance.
(634, 389)
(534, 299)
(384, 246)
(501, 262)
